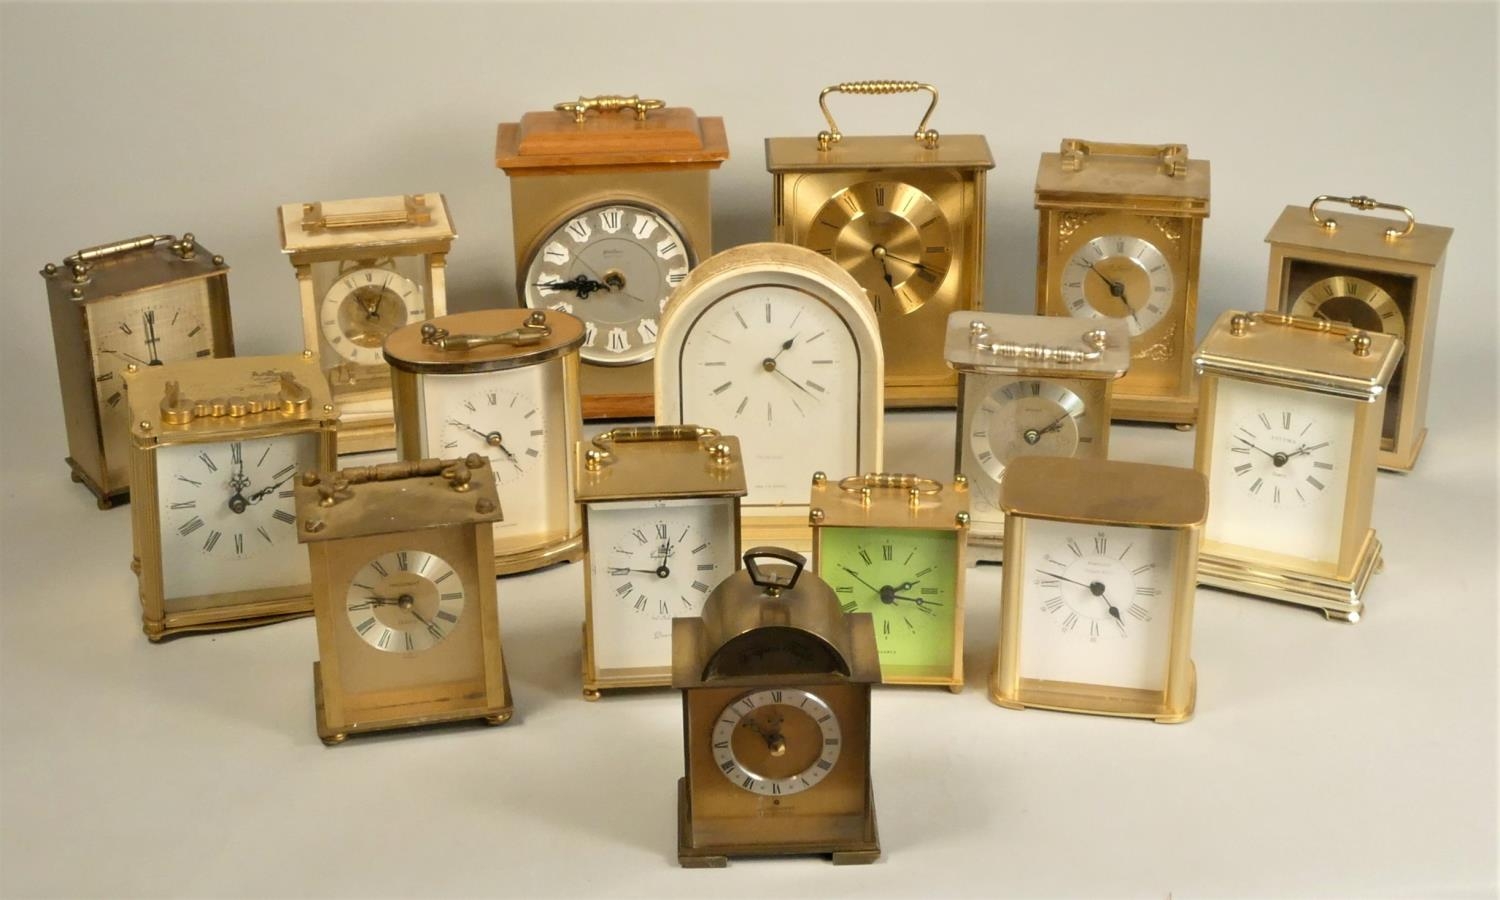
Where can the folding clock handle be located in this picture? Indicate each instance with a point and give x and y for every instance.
(83, 260)
(1240, 325)
(1095, 340)
(1172, 158)
(923, 135)
(1360, 202)
(770, 580)
(532, 331)
(608, 103)
(602, 453)
(408, 209)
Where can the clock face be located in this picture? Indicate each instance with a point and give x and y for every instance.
(613, 266)
(892, 237)
(1353, 300)
(362, 307)
(1119, 276)
(405, 601)
(906, 579)
(649, 562)
(1028, 417)
(228, 520)
(1279, 469)
(1096, 604)
(777, 742)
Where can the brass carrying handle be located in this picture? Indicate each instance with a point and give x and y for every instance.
(602, 453)
(923, 135)
(773, 584)
(1358, 337)
(1330, 224)
(81, 261)
(608, 103)
(914, 486)
(1095, 340)
(410, 209)
(291, 398)
(334, 487)
(532, 331)
(1172, 159)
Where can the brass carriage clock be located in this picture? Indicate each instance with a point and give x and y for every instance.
(1292, 411)
(404, 594)
(365, 268)
(609, 211)
(1367, 272)
(905, 216)
(661, 528)
(145, 301)
(502, 383)
(893, 546)
(1028, 386)
(215, 446)
(775, 682)
(1120, 230)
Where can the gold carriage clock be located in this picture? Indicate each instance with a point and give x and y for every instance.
(404, 594)
(1372, 274)
(609, 211)
(903, 214)
(775, 682)
(365, 268)
(1120, 231)
(145, 301)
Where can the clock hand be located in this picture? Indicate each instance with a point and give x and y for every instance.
(1117, 290)
(129, 356)
(910, 262)
(1256, 449)
(580, 285)
(794, 382)
(855, 574)
(260, 494)
(149, 318)
(1305, 449)
(917, 600)
(785, 346)
(1064, 578)
(879, 253)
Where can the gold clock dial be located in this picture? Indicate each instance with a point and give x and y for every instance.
(892, 237)
(363, 306)
(777, 742)
(1120, 277)
(405, 601)
(1352, 300)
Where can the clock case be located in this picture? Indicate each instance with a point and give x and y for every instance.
(1101, 492)
(806, 172)
(348, 517)
(1409, 260)
(992, 350)
(771, 625)
(412, 357)
(589, 152)
(1169, 193)
(890, 502)
(97, 276)
(246, 397)
(671, 462)
(414, 233)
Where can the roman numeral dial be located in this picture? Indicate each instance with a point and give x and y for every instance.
(405, 601)
(501, 424)
(1280, 457)
(892, 237)
(1119, 277)
(1028, 417)
(1352, 300)
(906, 579)
(362, 307)
(777, 742)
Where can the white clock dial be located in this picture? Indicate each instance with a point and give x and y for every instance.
(405, 601)
(613, 266)
(362, 307)
(777, 742)
(1279, 474)
(650, 562)
(1119, 277)
(228, 521)
(1027, 417)
(1096, 604)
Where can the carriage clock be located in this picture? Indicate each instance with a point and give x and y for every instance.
(609, 211)
(365, 268)
(502, 383)
(775, 682)
(145, 301)
(1291, 431)
(1028, 386)
(893, 546)
(404, 595)
(1369, 273)
(1096, 605)
(905, 216)
(661, 517)
(1120, 230)
(777, 345)
(215, 445)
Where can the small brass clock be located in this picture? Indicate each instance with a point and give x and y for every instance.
(1376, 275)
(661, 528)
(905, 216)
(215, 446)
(1292, 410)
(1120, 232)
(404, 595)
(1096, 607)
(365, 268)
(145, 301)
(775, 682)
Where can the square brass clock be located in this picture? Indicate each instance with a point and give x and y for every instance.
(215, 445)
(1096, 607)
(365, 268)
(145, 301)
(1292, 410)
(661, 528)
(609, 210)
(905, 216)
(403, 574)
(893, 546)
(1119, 234)
(1028, 386)
(1370, 273)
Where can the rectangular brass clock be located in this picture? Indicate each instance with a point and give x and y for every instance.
(1119, 235)
(903, 214)
(1374, 274)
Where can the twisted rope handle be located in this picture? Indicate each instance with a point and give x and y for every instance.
(925, 136)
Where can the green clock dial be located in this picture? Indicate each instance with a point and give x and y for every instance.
(905, 579)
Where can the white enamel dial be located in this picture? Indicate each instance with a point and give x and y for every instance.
(362, 307)
(777, 742)
(1027, 417)
(405, 601)
(1120, 277)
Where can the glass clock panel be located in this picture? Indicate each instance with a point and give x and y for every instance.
(1096, 604)
(905, 578)
(228, 520)
(359, 303)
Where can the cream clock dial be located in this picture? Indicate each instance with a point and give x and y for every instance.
(364, 305)
(1119, 277)
(1351, 299)
(498, 423)
(1029, 417)
(405, 601)
(166, 328)
(777, 742)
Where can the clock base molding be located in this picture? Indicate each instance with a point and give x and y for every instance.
(1339, 599)
(1033, 693)
(1394, 460)
(105, 499)
(226, 618)
(1179, 411)
(594, 683)
(333, 734)
(519, 562)
(617, 392)
(864, 851)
